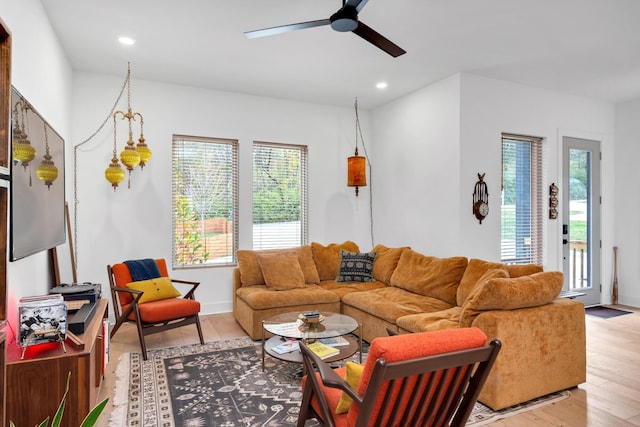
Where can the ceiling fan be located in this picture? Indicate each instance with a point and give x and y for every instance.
(345, 19)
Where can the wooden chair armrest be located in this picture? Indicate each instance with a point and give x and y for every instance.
(194, 285)
(327, 374)
(135, 293)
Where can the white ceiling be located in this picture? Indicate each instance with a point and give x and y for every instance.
(584, 47)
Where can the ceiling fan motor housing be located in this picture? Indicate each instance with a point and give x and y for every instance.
(344, 20)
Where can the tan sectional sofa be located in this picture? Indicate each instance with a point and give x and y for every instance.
(543, 336)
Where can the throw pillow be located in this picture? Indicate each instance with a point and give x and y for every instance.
(356, 267)
(468, 313)
(352, 377)
(281, 271)
(472, 274)
(251, 273)
(154, 289)
(327, 258)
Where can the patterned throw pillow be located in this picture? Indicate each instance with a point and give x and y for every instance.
(356, 267)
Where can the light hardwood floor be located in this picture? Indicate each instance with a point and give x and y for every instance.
(610, 397)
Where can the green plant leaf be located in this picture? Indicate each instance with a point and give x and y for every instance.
(92, 417)
(57, 418)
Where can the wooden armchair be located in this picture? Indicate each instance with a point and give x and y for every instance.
(421, 379)
(151, 316)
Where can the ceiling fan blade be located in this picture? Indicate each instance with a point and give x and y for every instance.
(377, 39)
(286, 28)
(358, 4)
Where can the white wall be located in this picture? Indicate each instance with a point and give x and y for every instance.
(416, 170)
(136, 223)
(627, 202)
(435, 141)
(42, 74)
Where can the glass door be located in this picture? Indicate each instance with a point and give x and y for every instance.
(581, 218)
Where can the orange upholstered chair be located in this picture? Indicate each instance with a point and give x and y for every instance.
(165, 311)
(421, 379)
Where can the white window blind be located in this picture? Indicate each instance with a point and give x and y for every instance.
(279, 195)
(522, 200)
(205, 201)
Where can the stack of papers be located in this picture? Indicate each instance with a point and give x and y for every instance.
(287, 347)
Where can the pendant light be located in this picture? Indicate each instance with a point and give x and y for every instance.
(47, 172)
(356, 164)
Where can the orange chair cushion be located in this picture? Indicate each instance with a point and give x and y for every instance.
(166, 309)
(333, 396)
(411, 346)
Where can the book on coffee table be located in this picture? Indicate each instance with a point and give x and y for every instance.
(287, 346)
(323, 351)
(334, 341)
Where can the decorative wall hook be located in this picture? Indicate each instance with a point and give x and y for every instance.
(553, 201)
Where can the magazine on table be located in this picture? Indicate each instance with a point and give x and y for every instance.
(287, 346)
(334, 341)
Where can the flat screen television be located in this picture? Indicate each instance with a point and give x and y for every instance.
(37, 182)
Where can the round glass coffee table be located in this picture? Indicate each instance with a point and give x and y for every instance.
(289, 327)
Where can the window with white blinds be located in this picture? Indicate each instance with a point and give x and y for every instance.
(279, 195)
(205, 201)
(522, 210)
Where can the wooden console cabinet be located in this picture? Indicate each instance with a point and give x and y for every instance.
(36, 384)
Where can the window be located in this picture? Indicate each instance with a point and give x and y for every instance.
(279, 195)
(522, 197)
(205, 198)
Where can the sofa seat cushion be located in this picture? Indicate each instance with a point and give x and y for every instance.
(259, 297)
(251, 273)
(341, 289)
(390, 303)
(429, 276)
(511, 294)
(435, 321)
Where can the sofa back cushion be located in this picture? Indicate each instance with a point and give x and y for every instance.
(386, 262)
(429, 276)
(518, 270)
(474, 271)
(511, 293)
(327, 258)
(251, 273)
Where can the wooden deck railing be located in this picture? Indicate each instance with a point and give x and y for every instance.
(579, 274)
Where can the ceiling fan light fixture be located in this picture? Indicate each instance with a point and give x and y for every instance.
(345, 20)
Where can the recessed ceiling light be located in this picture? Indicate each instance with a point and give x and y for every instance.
(381, 85)
(126, 40)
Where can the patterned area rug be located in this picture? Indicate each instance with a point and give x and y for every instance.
(222, 384)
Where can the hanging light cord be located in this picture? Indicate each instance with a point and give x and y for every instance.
(366, 155)
(75, 163)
